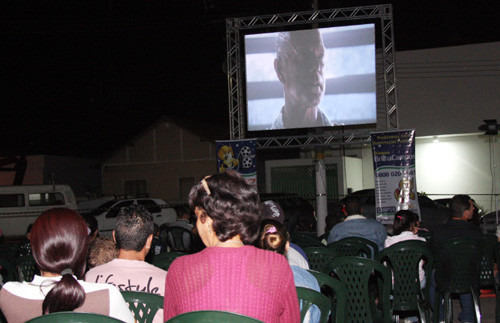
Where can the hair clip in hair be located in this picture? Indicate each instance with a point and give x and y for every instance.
(67, 271)
(399, 217)
(271, 230)
(205, 185)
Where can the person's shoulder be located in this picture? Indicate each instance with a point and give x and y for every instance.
(13, 288)
(269, 256)
(104, 267)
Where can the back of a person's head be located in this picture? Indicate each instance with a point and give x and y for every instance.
(59, 243)
(403, 220)
(102, 250)
(91, 224)
(459, 204)
(331, 220)
(231, 202)
(134, 224)
(183, 212)
(273, 236)
(351, 206)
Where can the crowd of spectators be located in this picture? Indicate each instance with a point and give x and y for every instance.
(248, 264)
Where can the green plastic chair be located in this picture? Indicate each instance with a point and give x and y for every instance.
(164, 260)
(362, 277)
(308, 298)
(319, 256)
(458, 259)
(212, 317)
(425, 234)
(8, 271)
(179, 239)
(73, 317)
(26, 268)
(143, 305)
(336, 291)
(488, 260)
(354, 246)
(305, 240)
(403, 259)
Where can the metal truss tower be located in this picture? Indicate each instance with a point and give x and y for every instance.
(387, 117)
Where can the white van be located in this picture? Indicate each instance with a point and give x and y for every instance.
(21, 205)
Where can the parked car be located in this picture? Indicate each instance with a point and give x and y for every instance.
(431, 213)
(107, 212)
(299, 213)
(20, 205)
(488, 222)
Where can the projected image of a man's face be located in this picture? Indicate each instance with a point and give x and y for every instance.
(299, 66)
(302, 69)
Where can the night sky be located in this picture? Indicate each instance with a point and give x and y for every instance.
(82, 77)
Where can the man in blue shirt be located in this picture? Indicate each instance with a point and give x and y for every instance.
(356, 225)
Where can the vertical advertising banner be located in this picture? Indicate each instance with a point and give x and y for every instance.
(238, 155)
(395, 179)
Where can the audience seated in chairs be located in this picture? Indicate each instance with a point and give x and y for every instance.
(101, 251)
(59, 242)
(230, 274)
(458, 227)
(129, 272)
(405, 228)
(357, 225)
(158, 246)
(295, 255)
(275, 238)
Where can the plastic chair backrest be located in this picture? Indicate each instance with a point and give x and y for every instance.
(424, 234)
(179, 239)
(73, 317)
(212, 317)
(26, 268)
(308, 298)
(143, 305)
(457, 265)
(354, 246)
(164, 260)
(8, 271)
(357, 274)
(305, 240)
(334, 289)
(403, 258)
(319, 256)
(488, 260)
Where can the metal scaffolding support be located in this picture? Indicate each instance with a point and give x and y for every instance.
(235, 70)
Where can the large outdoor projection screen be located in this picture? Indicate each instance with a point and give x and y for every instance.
(349, 72)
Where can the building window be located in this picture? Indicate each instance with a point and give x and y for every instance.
(136, 188)
(185, 185)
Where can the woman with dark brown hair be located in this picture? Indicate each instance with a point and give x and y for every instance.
(230, 274)
(59, 244)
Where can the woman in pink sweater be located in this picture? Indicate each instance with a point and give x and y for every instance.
(230, 274)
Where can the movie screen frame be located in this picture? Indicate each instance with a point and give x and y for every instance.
(350, 75)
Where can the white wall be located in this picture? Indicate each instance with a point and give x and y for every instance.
(354, 173)
(448, 90)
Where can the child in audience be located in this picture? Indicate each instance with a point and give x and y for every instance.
(405, 227)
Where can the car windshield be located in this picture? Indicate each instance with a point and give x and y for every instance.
(101, 208)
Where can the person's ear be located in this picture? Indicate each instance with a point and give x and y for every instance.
(149, 241)
(114, 239)
(278, 67)
(200, 213)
